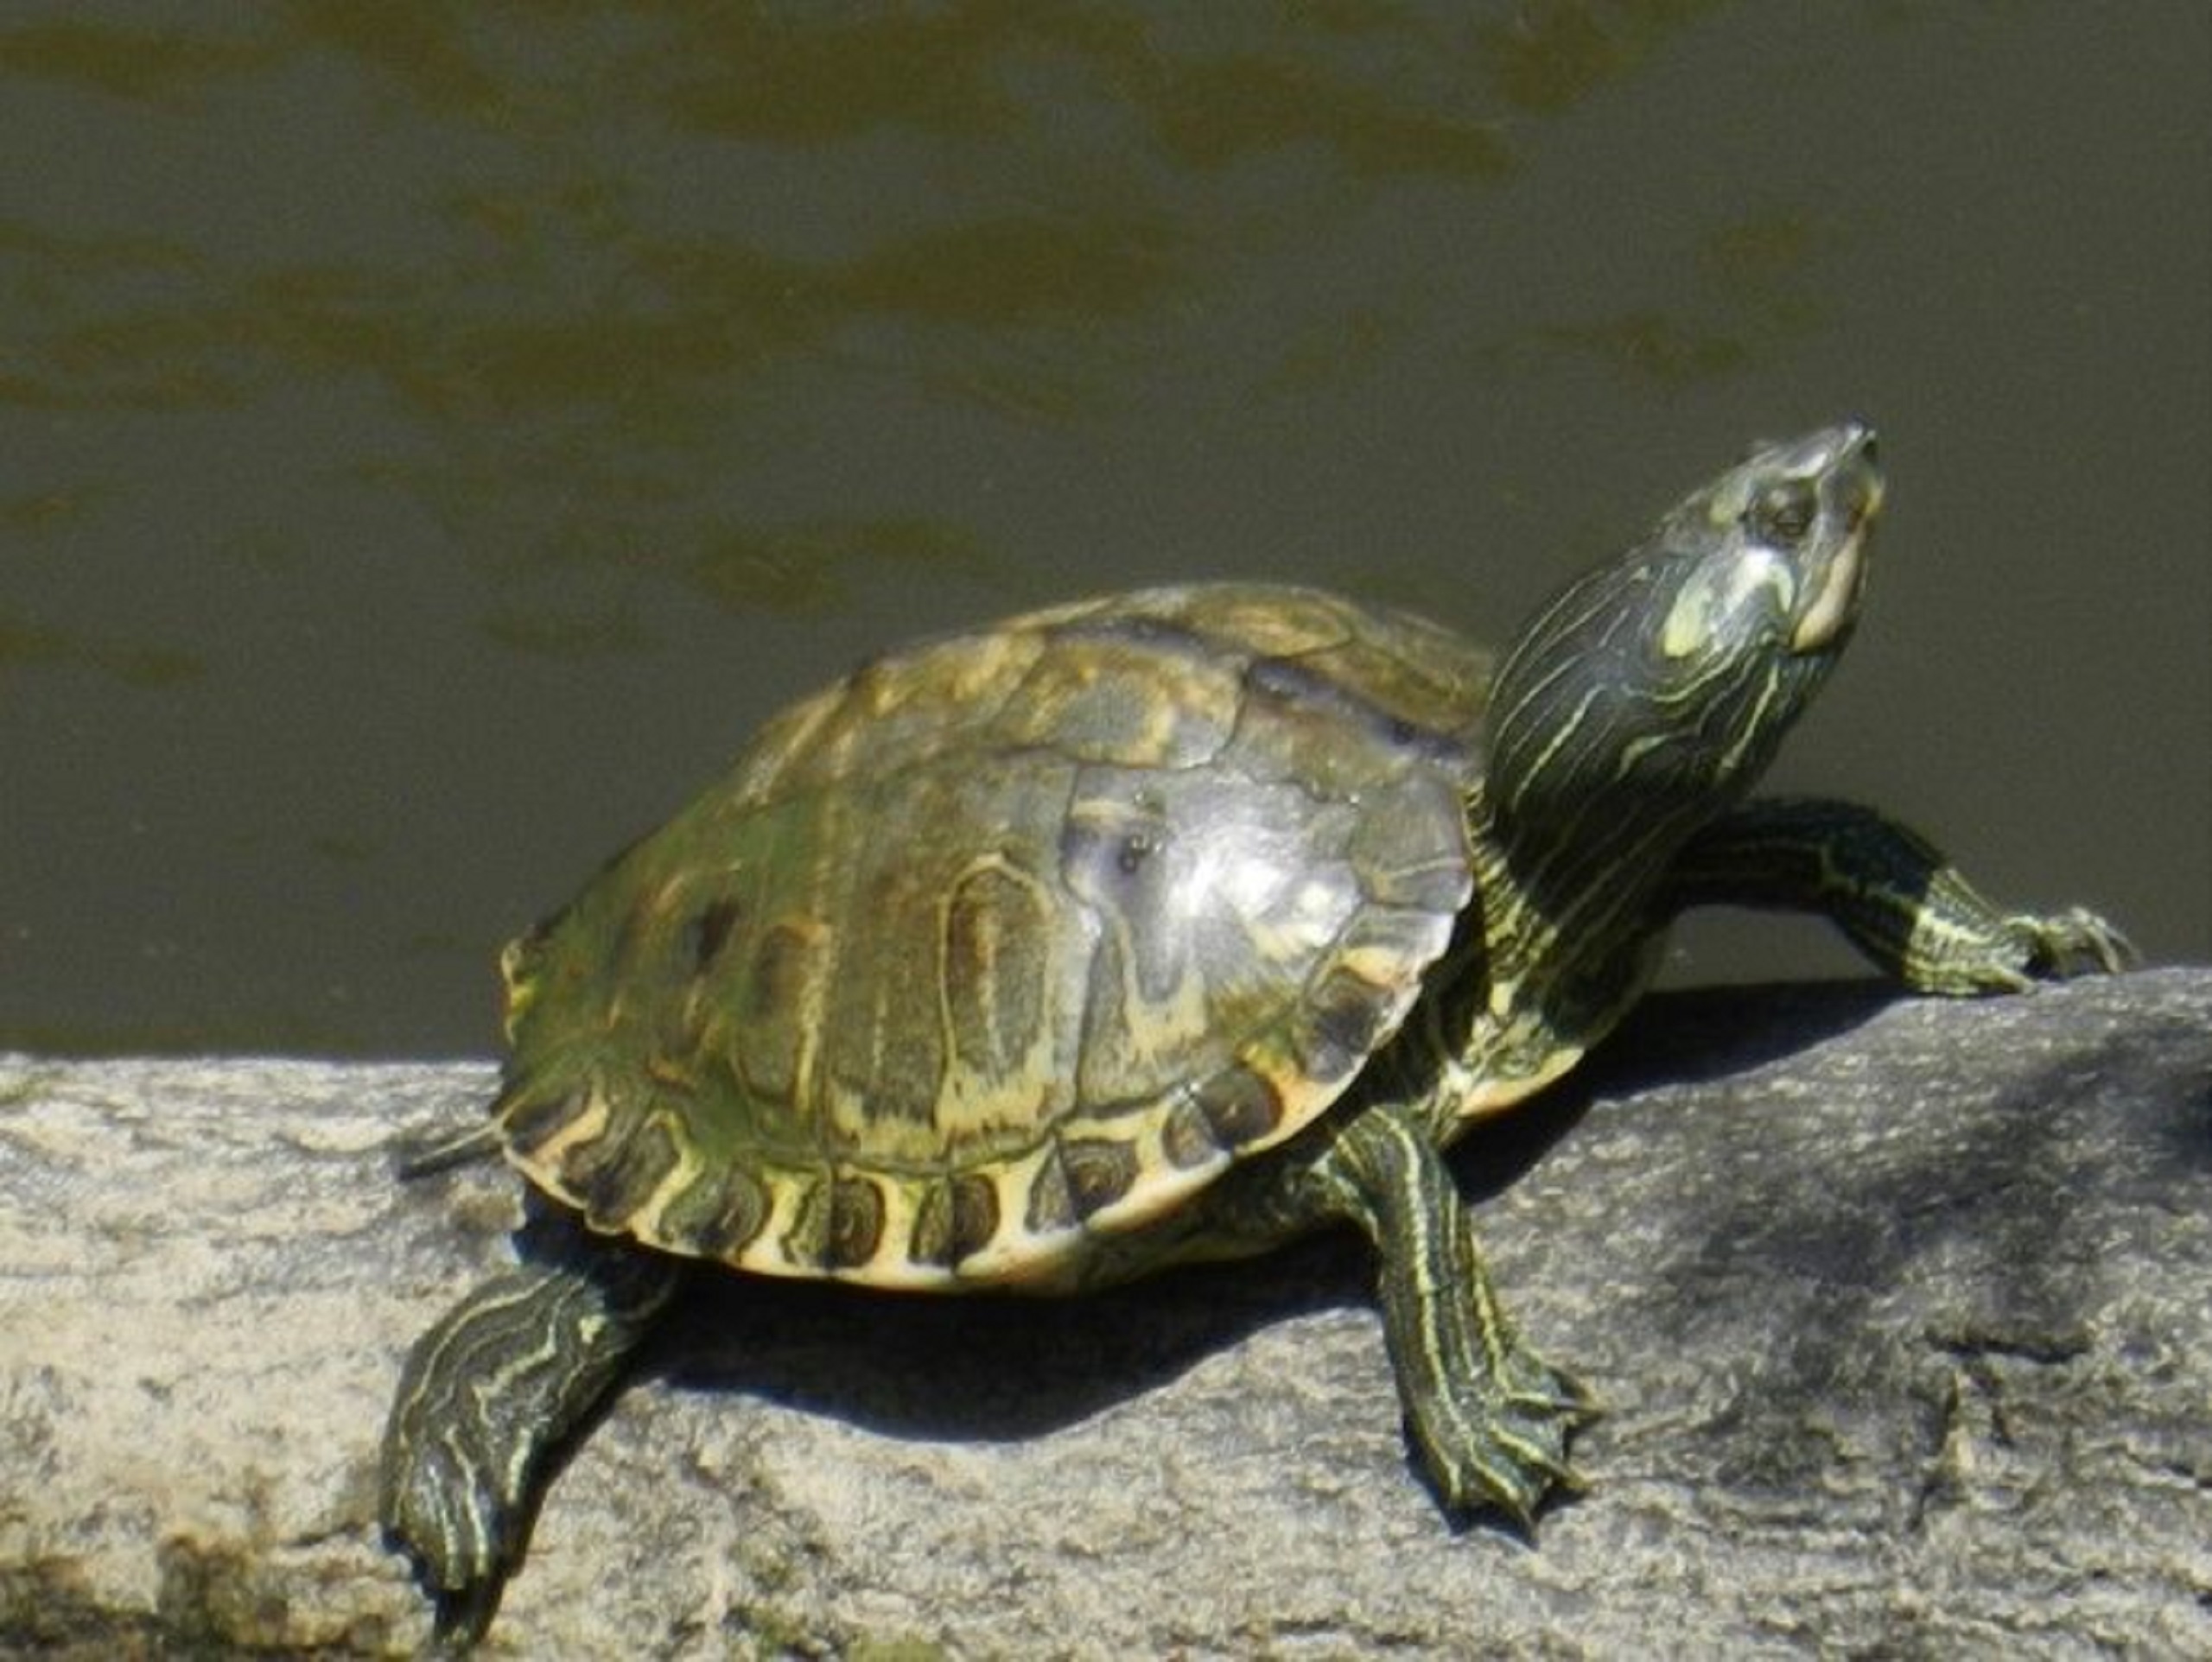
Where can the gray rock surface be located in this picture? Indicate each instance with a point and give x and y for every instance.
(1899, 1311)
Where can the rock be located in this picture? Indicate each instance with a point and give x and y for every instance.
(1898, 1308)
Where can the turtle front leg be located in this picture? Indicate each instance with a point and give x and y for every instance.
(490, 1391)
(1488, 1417)
(1900, 902)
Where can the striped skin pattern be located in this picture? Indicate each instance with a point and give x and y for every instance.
(1007, 942)
(1164, 926)
(491, 1387)
(1489, 1417)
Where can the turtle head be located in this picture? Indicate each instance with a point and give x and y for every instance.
(1651, 693)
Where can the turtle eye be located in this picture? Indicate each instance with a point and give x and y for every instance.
(1783, 513)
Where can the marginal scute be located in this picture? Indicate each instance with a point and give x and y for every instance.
(805, 1234)
(610, 1175)
(929, 1241)
(1239, 1107)
(1099, 1171)
(717, 1215)
(529, 1119)
(1186, 1137)
(1052, 1207)
(954, 1217)
(856, 1223)
(519, 970)
(975, 1215)
(1338, 1030)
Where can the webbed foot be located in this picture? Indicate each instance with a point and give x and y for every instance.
(1488, 1418)
(1497, 1440)
(487, 1396)
(2075, 942)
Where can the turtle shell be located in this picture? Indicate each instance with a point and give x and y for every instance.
(1007, 941)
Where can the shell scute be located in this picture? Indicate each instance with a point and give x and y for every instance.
(716, 1214)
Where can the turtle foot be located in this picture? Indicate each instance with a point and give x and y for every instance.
(1499, 1443)
(455, 1501)
(1966, 954)
(489, 1394)
(2075, 942)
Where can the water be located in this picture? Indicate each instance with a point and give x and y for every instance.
(432, 438)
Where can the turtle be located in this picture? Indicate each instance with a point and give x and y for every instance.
(1159, 927)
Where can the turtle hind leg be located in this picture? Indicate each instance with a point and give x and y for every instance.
(1488, 1418)
(489, 1394)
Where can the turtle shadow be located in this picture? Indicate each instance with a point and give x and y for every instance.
(1702, 1035)
(1005, 1367)
(1001, 1369)
(986, 1366)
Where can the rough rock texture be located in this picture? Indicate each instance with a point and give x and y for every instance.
(1899, 1311)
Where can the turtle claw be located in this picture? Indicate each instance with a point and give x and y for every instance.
(2013, 952)
(458, 1534)
(461, 1618)
(485, 1397)
(1500, 1445)
(455, 1491)
(2075, 942)
(460, 1537)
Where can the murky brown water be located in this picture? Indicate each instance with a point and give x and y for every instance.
(432, 437)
